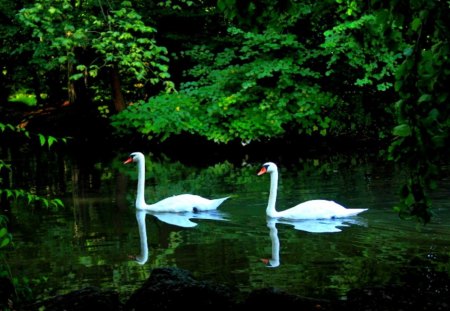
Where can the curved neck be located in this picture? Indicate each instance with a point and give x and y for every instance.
(270, 210)
(140, 200)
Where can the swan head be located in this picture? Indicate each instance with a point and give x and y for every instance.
(268, 167)
(134, 157)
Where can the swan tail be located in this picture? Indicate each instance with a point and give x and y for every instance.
(221, 200)
(216, 202)
(356, 211)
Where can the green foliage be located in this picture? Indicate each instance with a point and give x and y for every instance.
(252, 91)
(22, 97)
(161, 117)
(344, 44)
(19, 197)
(30, 198)
(84, 41)
(5, 236)
(15, 194)
(267, 82)
(130, 44)
(175, 4)
(43, 139)
(422, 134)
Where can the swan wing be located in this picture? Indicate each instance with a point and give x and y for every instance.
(185, 203)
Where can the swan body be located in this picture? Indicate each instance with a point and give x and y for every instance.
(177, 203)
(313, 209)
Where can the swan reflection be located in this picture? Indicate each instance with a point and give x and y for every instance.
(310, 225)
(176, 219)
(324, 225)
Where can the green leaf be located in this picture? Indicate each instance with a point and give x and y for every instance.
(5, 242)
(402, 130)
(408, 51)
(51, 140)
(424, 98)
(42, 139)
(58, 202)
(76, 76)
(416, 23)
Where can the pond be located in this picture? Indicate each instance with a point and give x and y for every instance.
(100, 239)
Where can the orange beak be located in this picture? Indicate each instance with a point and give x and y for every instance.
(129, 160)
(262, 171)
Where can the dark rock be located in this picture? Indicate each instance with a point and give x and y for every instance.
(172, 288)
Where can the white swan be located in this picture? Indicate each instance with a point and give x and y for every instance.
(177, 203)
(313, 209)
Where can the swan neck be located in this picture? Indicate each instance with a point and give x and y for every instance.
(140, 201)
(270, 211)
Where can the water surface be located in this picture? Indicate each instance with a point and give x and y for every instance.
(97, 239)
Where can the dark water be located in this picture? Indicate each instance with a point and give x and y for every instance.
(93, 241)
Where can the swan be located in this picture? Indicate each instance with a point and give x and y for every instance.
(175, 204)
(313, 209)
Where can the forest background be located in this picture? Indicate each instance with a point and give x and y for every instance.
(230, 71)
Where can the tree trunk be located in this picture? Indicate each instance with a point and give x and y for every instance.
(118, 100)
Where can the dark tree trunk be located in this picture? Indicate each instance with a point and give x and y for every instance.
(118, 100)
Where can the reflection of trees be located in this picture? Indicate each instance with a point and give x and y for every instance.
(41, 171)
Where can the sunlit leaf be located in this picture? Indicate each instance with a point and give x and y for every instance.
(42, 139)
(3, 232)
(51, 140)
(4, 242)
(402, 130)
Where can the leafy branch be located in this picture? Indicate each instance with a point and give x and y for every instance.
(43, 139)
